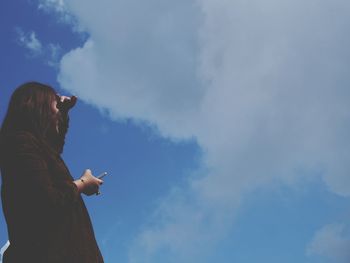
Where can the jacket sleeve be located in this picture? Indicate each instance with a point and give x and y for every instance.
(30, 170)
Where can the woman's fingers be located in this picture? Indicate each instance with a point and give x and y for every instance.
(92, 189)
(73, 100)
(67, 102)
(92, 183)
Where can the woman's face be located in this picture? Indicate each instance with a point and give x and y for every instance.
(55, 110)
(54, 106)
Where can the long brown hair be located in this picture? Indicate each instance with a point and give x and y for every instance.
(30, 109)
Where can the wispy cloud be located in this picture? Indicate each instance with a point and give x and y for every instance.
(29, 41)
(332, 242)
(50, 53)
(62, 10)
(58, 6)
(53, 54)
(261, 86)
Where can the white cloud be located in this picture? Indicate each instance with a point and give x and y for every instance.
(261, 85)
(29, 41)
(2, 250)
(331, 242)
(53, 53)
(50, 53)
(57, 6)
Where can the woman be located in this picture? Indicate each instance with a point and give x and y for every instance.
(46, 218)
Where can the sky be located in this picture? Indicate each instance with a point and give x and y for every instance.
(223, 125)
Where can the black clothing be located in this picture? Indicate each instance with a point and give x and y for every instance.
(46, 217)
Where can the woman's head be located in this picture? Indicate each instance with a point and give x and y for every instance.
(32, 108)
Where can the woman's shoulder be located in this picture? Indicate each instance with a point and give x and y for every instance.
(18, 145)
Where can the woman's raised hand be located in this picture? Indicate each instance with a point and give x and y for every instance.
(65, 103)
(89, 184)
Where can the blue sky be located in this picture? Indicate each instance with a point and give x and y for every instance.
(223, 125)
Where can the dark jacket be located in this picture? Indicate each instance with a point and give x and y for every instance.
(47, 220)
